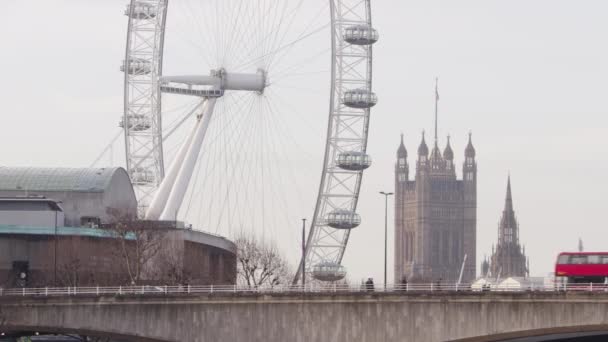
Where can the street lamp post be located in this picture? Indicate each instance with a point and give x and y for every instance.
(303, 253)
(55, 252)
(386, 194)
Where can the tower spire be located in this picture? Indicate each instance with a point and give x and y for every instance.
(436, 105)
(509, 198)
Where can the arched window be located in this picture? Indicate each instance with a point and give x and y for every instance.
(402, 177)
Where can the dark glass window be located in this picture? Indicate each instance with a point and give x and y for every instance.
(593, 259)
(91, 222)
(563, 259)
(578, 259)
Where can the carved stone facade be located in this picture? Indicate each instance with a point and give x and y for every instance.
(509, 258)
(435, 216)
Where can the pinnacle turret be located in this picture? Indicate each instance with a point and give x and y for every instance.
(448, 154)
(470, 150)
(423, 149)
(401, 151)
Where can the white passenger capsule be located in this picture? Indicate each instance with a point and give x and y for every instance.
(354, 161)
(343, 219)
(136, 122)
(140, 10)
(328, 271)
(137, 66)
(141, 176)
(360, 35)
(359, 98)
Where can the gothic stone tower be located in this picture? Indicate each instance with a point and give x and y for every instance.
(508, 259)
(435, 215)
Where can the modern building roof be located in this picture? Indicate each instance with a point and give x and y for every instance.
(56, 179)
(195, 236)
(20, 203)
(60, 231)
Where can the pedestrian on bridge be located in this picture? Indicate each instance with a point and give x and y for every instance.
(369, 285)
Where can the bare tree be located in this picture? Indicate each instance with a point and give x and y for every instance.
(69, 272)
(260, 263)
(137, 243)
(171, 267)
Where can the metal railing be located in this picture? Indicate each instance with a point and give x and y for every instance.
(288, 289)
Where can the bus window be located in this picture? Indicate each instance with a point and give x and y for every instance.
(604, 259)
(578, 259)
(593, 259)
(563, 259)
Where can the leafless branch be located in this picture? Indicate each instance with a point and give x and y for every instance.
(260, 264)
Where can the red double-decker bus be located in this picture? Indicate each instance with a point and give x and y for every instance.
(582, 267)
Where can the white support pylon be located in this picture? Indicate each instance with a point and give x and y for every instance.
(164, 190)
(178, 190)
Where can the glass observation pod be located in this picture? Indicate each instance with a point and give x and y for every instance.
(136, 122)
(139, 175)
(328, 271)
(360, 35)
(137, 66)
(360, 98)
(141, 10)
(354, 161)
(343, 219)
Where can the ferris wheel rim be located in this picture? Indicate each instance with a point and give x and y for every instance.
(335, 97)
(307, 262)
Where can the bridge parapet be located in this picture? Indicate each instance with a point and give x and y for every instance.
(312, 316)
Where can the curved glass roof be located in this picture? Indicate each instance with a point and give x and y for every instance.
(55, 179)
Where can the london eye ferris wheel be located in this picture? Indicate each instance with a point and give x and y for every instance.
(226, 116)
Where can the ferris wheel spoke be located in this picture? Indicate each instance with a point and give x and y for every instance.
(281, 48)
(256, 56)
(213, 159)
(273, 25)
(307, 32)
(235, 30)
(247, 160)
(282, 135)
(191, 25)
(287, 70)
(209, 153)
(298, 116)
(228, 155)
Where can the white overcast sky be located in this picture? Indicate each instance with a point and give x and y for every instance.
(527, 77)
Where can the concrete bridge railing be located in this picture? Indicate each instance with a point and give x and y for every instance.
(312, 288)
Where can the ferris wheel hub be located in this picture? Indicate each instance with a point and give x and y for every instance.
(214, 84)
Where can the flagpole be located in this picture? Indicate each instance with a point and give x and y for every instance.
(436, 105)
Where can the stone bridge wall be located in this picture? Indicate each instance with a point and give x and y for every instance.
(312, 317)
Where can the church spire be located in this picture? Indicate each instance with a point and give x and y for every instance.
(509, 198)
(508, 223)
(509, 259)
